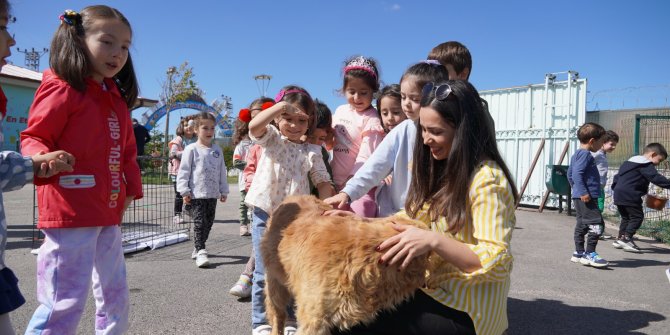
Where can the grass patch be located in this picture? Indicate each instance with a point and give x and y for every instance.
(657, 229)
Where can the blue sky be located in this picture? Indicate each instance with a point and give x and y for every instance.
(621, 47)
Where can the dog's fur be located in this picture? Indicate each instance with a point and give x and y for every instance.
(329, 266)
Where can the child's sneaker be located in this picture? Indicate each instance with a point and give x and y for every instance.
(617, 244)
(201, 260)
(667, 273)
(605, 236)
(177, 219)
(628, 245)
(262, 330)
(244, 230)
(194, 254)
(576, 256)
(242, 288)
(593, 259)
(290, 330)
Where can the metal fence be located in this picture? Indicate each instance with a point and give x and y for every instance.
(637, 128)
(148, 222)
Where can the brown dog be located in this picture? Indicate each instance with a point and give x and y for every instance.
(330, 267)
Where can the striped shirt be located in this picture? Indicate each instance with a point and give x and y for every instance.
(483, 293)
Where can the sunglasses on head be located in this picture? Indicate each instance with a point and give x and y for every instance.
(441, 91)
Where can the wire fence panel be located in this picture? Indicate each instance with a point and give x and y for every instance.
(148, 222)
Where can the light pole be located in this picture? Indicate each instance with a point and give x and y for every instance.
(262, 83)
(33, 57)
(168, 104)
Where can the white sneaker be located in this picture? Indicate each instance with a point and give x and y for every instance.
(201, 260)
(667, 273)
(194, 254)
(177, 219)
(242, 288)
(262, 330)
(290, 330)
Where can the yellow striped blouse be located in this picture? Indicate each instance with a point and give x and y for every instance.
(483, 293)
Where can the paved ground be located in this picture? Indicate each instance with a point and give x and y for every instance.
(549, 294)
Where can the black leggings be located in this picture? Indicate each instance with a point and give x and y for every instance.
(178, 200)
(420, 315)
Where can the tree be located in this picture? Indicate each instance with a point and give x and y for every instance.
(179, 86)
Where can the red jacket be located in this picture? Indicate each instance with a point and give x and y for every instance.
(95, 127)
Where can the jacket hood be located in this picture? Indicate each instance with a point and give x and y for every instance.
(633, 163)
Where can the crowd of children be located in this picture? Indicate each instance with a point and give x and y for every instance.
(411, 154)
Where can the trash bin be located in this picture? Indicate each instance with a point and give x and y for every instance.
(558, 183)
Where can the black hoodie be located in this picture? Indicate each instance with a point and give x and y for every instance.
(632, 181)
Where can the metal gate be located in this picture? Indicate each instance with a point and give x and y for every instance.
(531, 116)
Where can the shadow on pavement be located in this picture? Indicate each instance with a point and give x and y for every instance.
(544, 316)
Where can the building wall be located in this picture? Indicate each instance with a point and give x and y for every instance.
(19, 99)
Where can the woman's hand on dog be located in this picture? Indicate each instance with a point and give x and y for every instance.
(401, 249)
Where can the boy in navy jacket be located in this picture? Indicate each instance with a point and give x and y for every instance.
(629, 185)
(585, 182)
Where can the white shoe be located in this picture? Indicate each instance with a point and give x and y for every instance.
(290, 330)
(201, 260)
(667, 273)
(262, 330)
(177, 219)
(242, 288)
(194, 254)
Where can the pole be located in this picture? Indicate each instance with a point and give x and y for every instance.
(168, 104)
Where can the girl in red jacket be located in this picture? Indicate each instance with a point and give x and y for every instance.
(82, 107)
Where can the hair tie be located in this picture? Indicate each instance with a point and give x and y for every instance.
(267, 105)
(282, 93)
(361, 63)
(431, 62)
(70, 17)
(244, 115)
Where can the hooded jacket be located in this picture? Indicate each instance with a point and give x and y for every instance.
(95, 127)
(632, 181)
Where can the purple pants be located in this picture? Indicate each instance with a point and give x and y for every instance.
(68, 262)
(366, 206)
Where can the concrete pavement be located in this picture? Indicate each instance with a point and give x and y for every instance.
(549, 294)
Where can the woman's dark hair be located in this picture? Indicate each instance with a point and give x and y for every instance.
(370, 79)
(68, 58)
(444, 184)
(241, 127)
(424, 73)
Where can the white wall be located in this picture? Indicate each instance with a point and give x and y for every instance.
(523, 115)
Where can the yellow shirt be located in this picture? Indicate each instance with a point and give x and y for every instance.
(488, 232)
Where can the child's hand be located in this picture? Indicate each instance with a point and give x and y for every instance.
(338, 201)
(187, 199)
(585, 198)
(223, 198)
(388, 180)
(46, 165)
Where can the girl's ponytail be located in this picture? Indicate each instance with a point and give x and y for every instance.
(67, 58)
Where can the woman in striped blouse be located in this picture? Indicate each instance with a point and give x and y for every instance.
(462, 189)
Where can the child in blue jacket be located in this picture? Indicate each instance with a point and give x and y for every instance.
(585, 182)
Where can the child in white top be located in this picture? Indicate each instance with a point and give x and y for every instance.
(282, 170)
(201, 180)
(358, 128)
